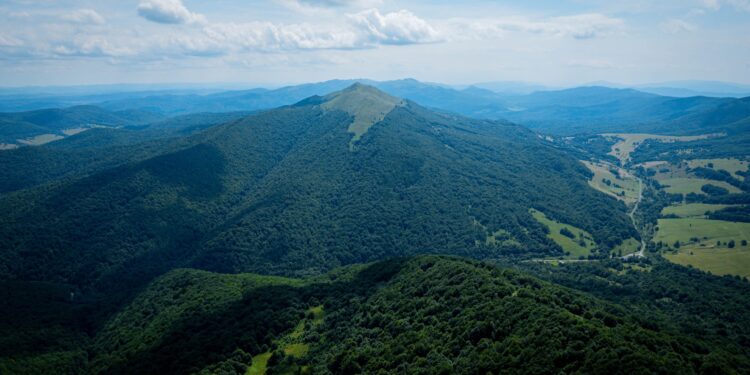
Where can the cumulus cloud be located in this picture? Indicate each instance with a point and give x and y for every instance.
(365, 30)
(85, 16)
(168, 11)
(401, 27)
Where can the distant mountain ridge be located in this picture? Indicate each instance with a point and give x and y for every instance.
(588, 109)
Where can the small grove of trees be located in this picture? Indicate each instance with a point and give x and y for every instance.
(567, 233)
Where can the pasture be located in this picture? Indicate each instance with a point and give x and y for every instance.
(698, 244)
(730, 165)
(688, 185)
(580, 246)
(722, 261)
(692, 209)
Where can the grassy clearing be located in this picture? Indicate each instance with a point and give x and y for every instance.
(40, 139)
(260, 363)
(378, 106)
(693, 185)
(707, 231)
(722, 261)
(623, 187)
(627, 143)
(580, 246)
(291, 344)
(297, 350)
(692, 209)
(698, 244)
(730, 165)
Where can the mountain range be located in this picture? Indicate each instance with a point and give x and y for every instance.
(581, 110)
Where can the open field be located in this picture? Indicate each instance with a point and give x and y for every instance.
(731, 165)
(692, 209)
(629, 142)
(671, 230)
(624, 187)
(580, 246)
(259, 365)
(41, 139)
(8, 146)
(703, 252)
(688, 185)
(290, 344)
(718, 261)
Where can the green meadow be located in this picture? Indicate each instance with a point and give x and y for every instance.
(580, 246)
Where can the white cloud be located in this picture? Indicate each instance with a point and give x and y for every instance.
(85, 16)
(401, 27)
(365, 30)
(168, 11)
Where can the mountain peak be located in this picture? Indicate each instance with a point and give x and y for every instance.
(365, 103)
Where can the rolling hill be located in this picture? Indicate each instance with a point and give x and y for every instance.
(17, 127)
(302, 189)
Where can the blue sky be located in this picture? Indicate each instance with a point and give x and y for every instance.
(62, 42)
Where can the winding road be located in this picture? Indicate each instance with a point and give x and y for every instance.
(639, 253)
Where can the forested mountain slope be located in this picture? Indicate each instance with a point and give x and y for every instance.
(427, 314)
(292, 191)
(98, 149)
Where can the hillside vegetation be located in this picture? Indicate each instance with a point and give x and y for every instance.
(426, 315)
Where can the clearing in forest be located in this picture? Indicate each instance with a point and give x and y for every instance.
(627, 143)
(710, 245)
(687, 185)
(292, 345)
(613, 180)
(366, 104)
(730, 165)
(574, 241)
(692, 209)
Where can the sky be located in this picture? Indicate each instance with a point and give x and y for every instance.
(276, 42)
